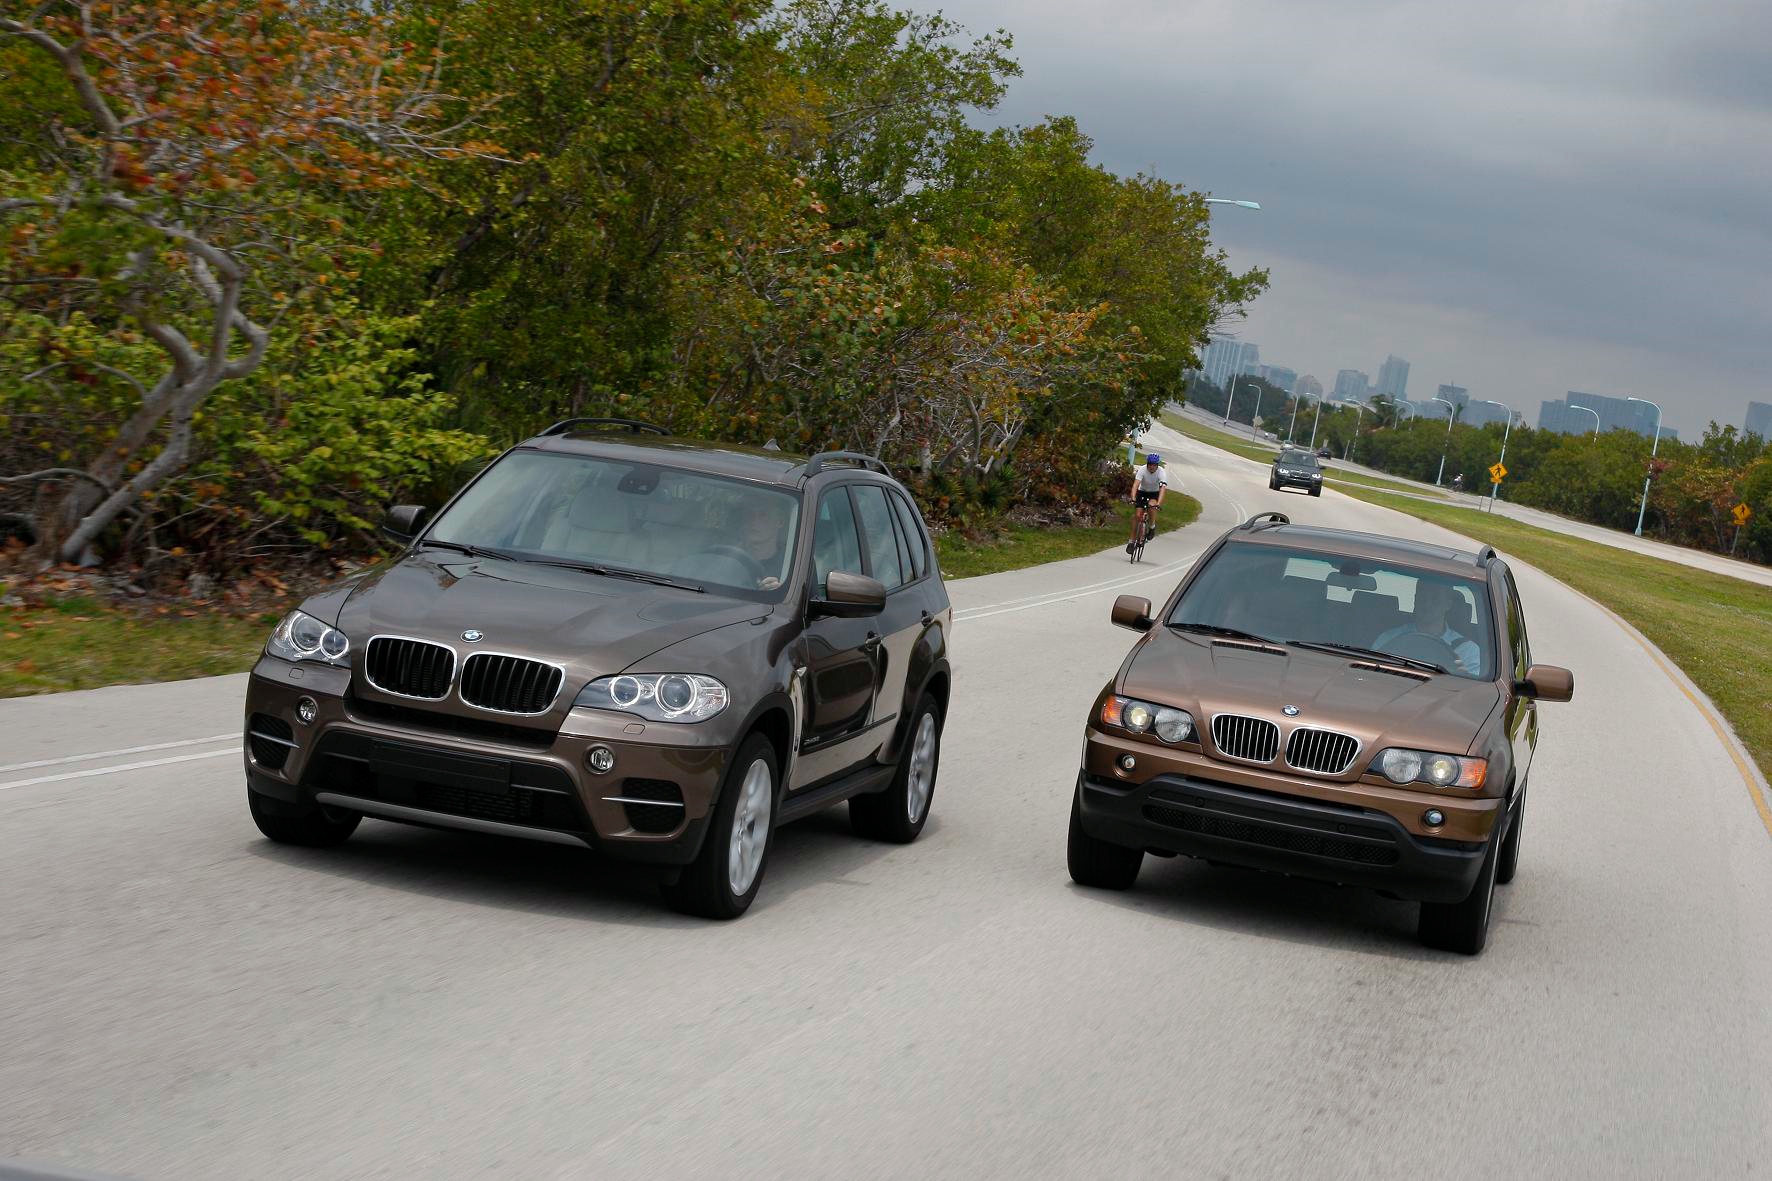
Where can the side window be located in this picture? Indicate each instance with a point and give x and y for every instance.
(1516, 629)
(835, 545)
(880, 534)
(913, 536)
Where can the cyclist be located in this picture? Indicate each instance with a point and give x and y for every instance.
(1149, 485)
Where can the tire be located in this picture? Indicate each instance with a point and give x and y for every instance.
(308, 825)
(1316, 492)
(740, 834)
(1273, 484)
(898, 814)
(1510, 845)
(1463, 927)
(1099, 864)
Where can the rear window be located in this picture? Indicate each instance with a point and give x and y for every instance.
(1291, 596)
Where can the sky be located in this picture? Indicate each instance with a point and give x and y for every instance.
(1523, 197)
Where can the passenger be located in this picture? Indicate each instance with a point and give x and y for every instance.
(1434, 603)
(762, 535)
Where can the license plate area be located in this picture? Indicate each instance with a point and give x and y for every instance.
(476, 773)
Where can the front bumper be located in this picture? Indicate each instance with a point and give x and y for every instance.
(408, 766)
(1348, 833)
(1295, 481)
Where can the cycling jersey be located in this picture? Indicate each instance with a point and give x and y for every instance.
(1153, 482)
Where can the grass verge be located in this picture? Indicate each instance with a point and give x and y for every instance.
(1716, 628)
(83, 644)
(1031, 545)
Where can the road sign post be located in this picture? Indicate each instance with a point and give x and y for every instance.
(1496, 474)
(1741, 513)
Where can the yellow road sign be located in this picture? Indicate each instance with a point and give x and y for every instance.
(1742, 513)
(1496, 472)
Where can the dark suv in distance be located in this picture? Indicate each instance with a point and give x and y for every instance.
(610, 638)
(1296, 468)
(1326, 704)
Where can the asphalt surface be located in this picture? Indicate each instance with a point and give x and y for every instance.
(183, 1000)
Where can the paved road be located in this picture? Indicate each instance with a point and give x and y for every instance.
(182, 1000)
(1697, 559)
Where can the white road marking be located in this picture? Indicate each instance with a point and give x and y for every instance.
(1066, 596)
(208, 754)
(105, 754)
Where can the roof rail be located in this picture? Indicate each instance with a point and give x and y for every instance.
(1265, 521)
(826, 459)
(629, 424)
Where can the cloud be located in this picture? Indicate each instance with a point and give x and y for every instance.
(1525, 196)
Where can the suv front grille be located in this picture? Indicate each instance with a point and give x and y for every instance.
(409, 668)
(1325, 752)
(1238, 736)
(1294, 840)
(509, 684)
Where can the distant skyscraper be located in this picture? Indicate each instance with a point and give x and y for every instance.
(1615, 414)
(1279, 377)
(1393, 377)
(1455, 394)
(1351, 385)
(1226, 357)
(1308, 385)
(1759, 420)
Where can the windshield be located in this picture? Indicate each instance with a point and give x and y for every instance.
(1298, 596)
(1298, 459)
(725, 535)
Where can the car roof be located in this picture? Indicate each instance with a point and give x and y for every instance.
(737, 460)
(1378, 547)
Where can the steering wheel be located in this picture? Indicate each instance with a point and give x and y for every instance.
(1420, 646)
(753, 568)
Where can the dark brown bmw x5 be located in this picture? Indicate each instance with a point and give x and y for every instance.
(1328, 704)
(614, 639)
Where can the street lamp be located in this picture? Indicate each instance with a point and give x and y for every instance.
(1451, 414)
(1644, 507)
(1409, 406)
(1254, 418)
(1291, 435)
(1591, 411)
(1495, 485)
(1227, 201)
(1230, 398)
(1314, 422)
(1362, 409)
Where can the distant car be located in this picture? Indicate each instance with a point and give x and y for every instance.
(1323, 704)
(1325, 453)
(621, 641)
(1294, 468)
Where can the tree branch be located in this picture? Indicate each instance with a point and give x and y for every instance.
(73, 67)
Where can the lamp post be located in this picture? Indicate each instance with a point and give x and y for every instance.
(1254, 418)
(1409, 406)
(1644, 507)
(1228, 201)
(1362, 411)
(1290, 432)
(1230, 398)
(1495, 486)
(1591, 411)
(1314, 423)
(1451, 414)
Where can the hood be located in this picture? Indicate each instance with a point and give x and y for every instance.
(1208, 677)
(591, 624)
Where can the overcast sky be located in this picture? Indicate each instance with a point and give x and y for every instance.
(1519, 196)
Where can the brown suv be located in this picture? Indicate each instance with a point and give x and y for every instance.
(610, 638)
(1327, 704)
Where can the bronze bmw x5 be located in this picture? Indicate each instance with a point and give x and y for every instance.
(1327, 704)
(613, 639)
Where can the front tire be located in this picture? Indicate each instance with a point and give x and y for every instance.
(1510, 847)
(898, 814)
(1316, 492)
(1100, 864)
(1463, 927)
(309, 825)
(724, 878)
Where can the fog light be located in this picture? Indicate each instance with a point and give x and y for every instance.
(307, 709)
(600, 759)
(1127, 762)
(1433, 818)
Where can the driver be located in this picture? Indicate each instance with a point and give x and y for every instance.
(761, 535)
(1434, 603)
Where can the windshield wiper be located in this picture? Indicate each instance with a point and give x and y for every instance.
(1212, 629)
(1389, 657)
(472, 551)
(624, 572)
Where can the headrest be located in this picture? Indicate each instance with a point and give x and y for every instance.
(598, 509)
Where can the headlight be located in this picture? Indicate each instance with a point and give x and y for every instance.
(302, 637)
(1140, 717)
(1400, 765)
(662, 697)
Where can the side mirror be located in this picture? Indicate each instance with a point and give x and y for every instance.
(850, 596)
(1133, 612)
(1547, 682)
(404, 521)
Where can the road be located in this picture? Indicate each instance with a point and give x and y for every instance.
(1478, 499)
(185, 1001)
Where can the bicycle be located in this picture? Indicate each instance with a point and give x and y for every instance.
(1144, 526)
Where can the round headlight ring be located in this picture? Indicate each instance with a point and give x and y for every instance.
(1138, 717)
(1174, 725)
(1440, 770)
(1400, 766)
(677, 694)
(625, 691)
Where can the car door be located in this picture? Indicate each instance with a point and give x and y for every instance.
(1523, 725)
(890, 560)
(840, 657)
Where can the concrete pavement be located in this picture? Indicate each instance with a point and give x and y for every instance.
(185, 1001)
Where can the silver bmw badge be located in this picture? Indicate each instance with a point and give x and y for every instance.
(473, 635)
(1290, 711)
